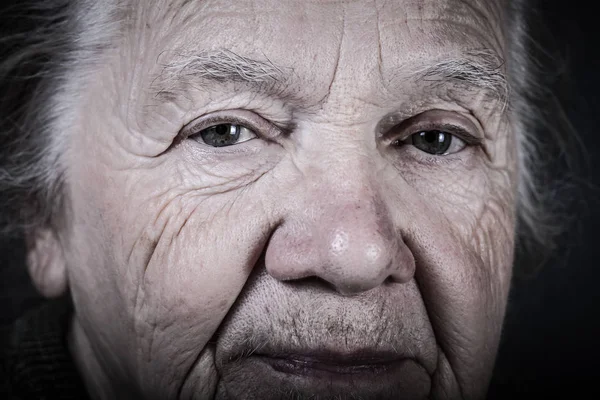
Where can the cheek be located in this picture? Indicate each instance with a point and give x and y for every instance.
(162, 251)
(475, 200)
(190, 252)
(197, 264)
(474, 209)
(461, 233)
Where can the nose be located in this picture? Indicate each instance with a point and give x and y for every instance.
(342, 233)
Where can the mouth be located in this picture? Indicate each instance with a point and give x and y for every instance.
(326, 374)
(329, 365)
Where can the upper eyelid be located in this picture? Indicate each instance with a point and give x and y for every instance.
(261, 126)
(199, 126)
(457, 131)
(265, 128)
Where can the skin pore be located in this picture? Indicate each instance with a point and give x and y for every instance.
(324, 253)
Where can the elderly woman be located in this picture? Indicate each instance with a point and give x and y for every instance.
(264, 199)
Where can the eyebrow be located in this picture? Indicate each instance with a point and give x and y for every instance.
(475, 70)
(221, 66)
(478, 70)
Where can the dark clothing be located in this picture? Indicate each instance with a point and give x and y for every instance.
(35, 362)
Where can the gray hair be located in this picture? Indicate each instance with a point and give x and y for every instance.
(545, 138)
(46, 45)
(43, 47)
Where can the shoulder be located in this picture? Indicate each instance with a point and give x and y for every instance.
(35, 362)
(5, 380)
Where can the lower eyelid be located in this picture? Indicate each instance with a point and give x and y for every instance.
(204, 151)
(427, 159)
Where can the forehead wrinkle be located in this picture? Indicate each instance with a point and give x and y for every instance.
(204, 70)
(154, 12)
(488, 13)
(479, 16)
(466, 48)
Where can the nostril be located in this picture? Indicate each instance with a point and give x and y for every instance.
(312, 282)
(355, 289)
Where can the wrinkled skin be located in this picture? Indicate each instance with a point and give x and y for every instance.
(193, 267)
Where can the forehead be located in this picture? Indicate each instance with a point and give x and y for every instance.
(257, 17)
(313, 37)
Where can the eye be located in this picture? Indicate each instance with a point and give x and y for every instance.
(435, 142)
(222, 135)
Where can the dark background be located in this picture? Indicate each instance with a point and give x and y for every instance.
(549, 346)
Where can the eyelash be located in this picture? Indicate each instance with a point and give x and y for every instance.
(195, 129)
(451, 129)
(456, 131)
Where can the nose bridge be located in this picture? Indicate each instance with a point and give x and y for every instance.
(347, 236)
(343, 190)
(344, 174)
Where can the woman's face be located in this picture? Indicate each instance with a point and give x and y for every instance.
(274, 198)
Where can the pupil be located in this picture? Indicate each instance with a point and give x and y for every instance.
(432, 136)
(222, 129)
